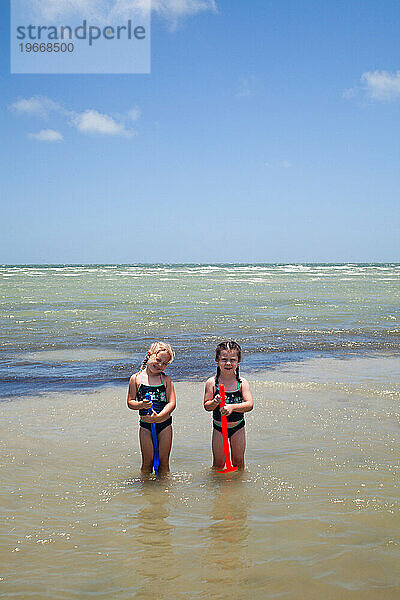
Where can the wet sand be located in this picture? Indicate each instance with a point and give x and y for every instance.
(315, 514)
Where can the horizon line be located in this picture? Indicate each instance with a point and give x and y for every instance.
(112, 264)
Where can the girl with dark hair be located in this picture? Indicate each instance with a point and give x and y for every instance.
(238, 401)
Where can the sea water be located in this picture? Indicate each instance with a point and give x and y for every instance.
(314, 515)
(65, 327)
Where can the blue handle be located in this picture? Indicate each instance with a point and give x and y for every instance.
(156, 459)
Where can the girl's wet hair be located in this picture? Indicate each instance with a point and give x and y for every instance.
(155, 348)
(232, 346)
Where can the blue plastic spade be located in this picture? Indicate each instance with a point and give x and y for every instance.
(156, 459)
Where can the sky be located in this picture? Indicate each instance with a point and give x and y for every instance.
(266, 132)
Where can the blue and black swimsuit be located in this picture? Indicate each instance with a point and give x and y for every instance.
(234, 397)
(158, 394)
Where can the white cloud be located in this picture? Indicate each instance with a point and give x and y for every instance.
(107, 10)
(182, 8)
(91, 121)
(50, 10)
(174, 10)
(381, 85)
(378, 85)
(133, 114)
(350, 93)
(37, 105)
(125, 9)
(47, 135)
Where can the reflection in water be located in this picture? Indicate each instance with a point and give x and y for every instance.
(226, 564)
(156, 566)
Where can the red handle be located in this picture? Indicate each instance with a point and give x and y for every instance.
(224, 427)
(222, 394)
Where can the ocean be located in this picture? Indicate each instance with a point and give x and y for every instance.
(81, 326)
(315, 513)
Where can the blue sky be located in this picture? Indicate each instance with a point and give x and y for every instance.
(266, 132)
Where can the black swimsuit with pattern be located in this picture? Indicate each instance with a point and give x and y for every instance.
(158, 394)
(234, 397)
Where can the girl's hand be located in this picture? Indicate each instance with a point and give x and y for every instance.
(147, 404)
(153, 418)
(227, 409)
(217, 400)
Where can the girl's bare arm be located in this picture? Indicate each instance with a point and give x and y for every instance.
(210, 403)
(131, 401)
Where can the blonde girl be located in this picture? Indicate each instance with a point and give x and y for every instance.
(152, 380)
(238, 401)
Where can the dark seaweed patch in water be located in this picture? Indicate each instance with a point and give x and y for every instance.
(35, 378)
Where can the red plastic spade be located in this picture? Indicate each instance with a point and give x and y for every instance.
(228, 468)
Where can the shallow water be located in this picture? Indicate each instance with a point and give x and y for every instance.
(315, 515)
